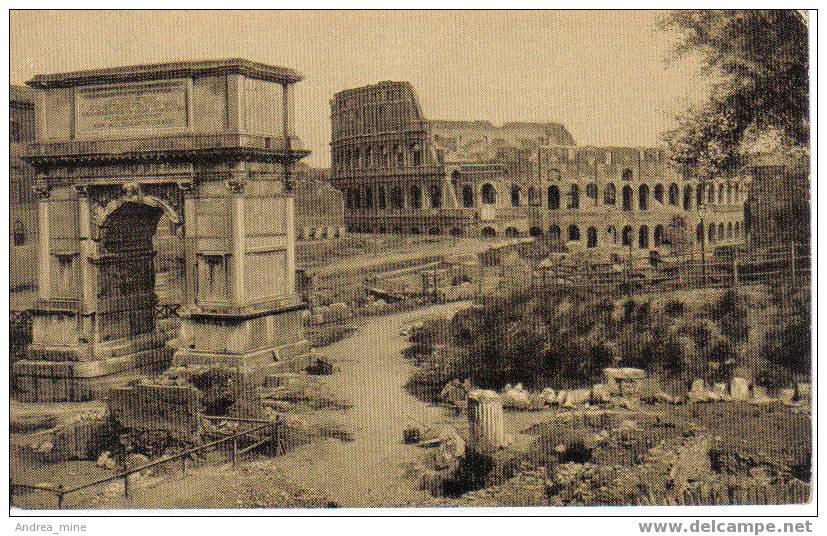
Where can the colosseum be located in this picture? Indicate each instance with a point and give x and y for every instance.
(403, 173)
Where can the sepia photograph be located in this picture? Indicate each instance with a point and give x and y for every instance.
(463, 260)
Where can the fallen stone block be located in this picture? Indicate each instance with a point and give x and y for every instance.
(759, 392)
(623, 380)
(600, 393)
(786, 395)
(628, 403)
(576, 397)
(548, 396)
(739, 389)
(698, 392)
(803, 391)
(516, 398)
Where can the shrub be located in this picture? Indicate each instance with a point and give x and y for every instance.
(470, 475)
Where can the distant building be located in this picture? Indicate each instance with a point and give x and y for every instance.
(620, 199)
(778, 208)
(319, 207)
(22, 199)
(403, 173)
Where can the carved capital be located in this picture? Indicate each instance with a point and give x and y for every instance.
(186, 186)
(42, 191)
(235, 186)
(81, 190)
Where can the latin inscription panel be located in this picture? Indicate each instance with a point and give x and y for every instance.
(132, 107)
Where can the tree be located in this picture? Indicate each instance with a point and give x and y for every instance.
(760, 60)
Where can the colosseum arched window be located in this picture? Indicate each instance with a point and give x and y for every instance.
(416, 196)
(435, 194)
(673, 194)
(643, 237)
(553, 197)
(626, 235)
(591, 237)
(687, 197)
(488, 194)
(381, 198)
(610, 194)
(720, 194)
(416, 154)
(574, 232)
(467, 196)
(591, 192)
(721, 231)
(515, 196)
(554, 232)
(489, 232)
(699, 232)
(659, 193)
(574, 197)
(397, 198)
(710, 235)
(729, 230)
(658, 236)
(400, 156)
(643, 197)
(512, 232)
(710, 193)
(368, 197)
(628, 198)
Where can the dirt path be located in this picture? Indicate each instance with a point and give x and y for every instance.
(371, 373)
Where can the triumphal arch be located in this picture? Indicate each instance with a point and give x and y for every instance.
(208, 146)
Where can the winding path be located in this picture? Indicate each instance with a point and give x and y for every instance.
(371, 373)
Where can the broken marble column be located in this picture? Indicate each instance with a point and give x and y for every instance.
(485, 421)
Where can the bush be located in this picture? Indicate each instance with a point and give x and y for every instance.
(470, 475)
(567, 339)
(788, 341)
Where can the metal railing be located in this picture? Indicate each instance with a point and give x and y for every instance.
(60, 491)
(673, 273)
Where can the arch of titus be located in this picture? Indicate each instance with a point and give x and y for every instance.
(209, 144)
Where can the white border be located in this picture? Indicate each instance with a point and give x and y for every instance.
(586, 519)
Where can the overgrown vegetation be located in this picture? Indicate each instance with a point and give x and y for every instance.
(787, 343)
(567, 340)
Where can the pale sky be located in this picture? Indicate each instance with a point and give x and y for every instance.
(602, 74)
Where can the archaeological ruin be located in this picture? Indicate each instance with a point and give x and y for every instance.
(403, 173)
(208, 147)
